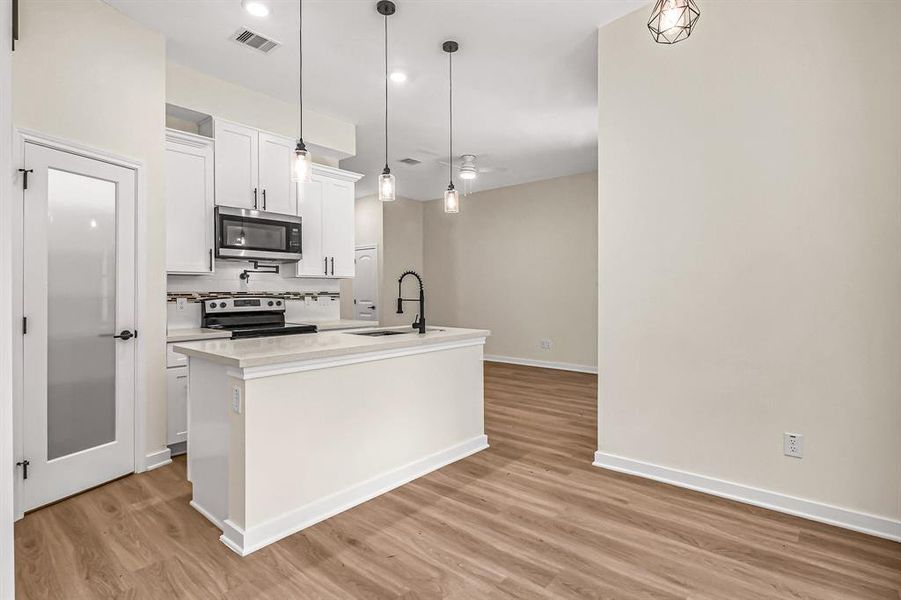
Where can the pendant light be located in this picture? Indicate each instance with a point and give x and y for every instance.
(302, 168)
(386, 8)
(673, 20)
(451, 196)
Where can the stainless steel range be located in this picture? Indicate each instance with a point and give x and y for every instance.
(250, 317)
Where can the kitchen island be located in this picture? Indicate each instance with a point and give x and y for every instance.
(286, 431)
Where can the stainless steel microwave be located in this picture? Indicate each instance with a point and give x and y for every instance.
(243, 233)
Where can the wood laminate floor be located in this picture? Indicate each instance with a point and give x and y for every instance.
(528, 518)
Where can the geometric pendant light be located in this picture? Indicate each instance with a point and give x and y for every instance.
(387, 186)
(451, 195)
(673, 20)
(302, 162)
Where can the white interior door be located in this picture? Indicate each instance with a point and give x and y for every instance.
(366, 284)
(278, 193)
(79, 291)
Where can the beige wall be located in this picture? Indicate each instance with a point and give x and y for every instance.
(403, 243)
(204, 93)
(84, 72)
(396, 229)
(750, 256)
(522, 262)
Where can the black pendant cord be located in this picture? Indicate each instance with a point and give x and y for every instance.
(386, 93)
(450, 102)
(300, 62)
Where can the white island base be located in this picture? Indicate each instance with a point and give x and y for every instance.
(286, 432)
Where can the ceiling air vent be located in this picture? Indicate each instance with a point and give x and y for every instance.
(254, 40)
(410, 161)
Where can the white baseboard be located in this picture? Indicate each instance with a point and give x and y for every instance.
(799, 507)
(243, 542)
(545, 364)
(157, 459)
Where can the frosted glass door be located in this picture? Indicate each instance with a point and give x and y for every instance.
(79, 302)
(81, 313)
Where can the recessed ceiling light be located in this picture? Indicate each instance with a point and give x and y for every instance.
(256, 8)
(398, 77)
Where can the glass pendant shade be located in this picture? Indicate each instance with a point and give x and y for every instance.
(386, 186)
(302, 167)
(673, 20)
(451, 200)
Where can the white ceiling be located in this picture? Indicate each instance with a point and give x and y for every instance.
(525, 78)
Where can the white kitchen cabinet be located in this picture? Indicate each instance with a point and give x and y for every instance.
(237, 165)
(277, 192)
(189, 203)
(253, 169)
(177, 404)
(327, 208)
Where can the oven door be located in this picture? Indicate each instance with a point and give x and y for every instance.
(256, 235)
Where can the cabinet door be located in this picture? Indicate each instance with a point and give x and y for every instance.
(309, 208)
(237, 160)
(338, 227)
(177, 404)
(277, 192)
(189, 205)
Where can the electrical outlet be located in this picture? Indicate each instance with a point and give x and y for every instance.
(793, 444)
(546, 344)
(236, 399)
(181, 304)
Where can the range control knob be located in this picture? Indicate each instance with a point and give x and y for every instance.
(212, 305)
(222, 305)
(270, 303)
(278, 303)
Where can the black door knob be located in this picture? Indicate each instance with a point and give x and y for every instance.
(125, 335)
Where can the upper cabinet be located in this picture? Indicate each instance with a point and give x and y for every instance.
(253, 169)
(326, 206)
(189, 203)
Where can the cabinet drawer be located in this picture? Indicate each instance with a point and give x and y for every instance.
(174, 359)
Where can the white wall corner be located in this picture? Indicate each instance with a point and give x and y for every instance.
(808, 509)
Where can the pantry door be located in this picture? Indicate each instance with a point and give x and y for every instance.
(79, 323)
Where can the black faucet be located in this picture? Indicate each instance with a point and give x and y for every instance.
(419, 323)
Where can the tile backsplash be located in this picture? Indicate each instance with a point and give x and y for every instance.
(308, 300)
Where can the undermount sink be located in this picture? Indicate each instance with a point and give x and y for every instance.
(379, 333)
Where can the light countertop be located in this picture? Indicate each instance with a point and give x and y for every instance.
(196, 333)
(255, 352)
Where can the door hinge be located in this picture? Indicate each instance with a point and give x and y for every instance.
(24, 325)
(25, 173)
(24, 464)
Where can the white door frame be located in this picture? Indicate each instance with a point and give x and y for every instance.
(22, 137)
(7, 546)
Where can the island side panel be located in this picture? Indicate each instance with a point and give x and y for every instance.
(320, 441)
(208, 437)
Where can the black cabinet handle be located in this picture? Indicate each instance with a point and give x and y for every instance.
(24, 464)
(211, 260)
(333, 265)
(264, 198)
(254, 198)
(125, 335)
(326, 264)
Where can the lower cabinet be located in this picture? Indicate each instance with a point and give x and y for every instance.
(177, 404)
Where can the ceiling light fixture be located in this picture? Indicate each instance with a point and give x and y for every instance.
(398, 77)
(673, 20)
(468, 166)
(387, 186)
(257, 9)
(302, 169)
(451, 196)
